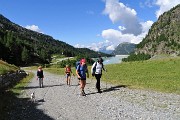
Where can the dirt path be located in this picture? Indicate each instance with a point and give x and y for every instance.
(116, 102)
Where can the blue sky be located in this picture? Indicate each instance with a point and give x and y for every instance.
(88, 23)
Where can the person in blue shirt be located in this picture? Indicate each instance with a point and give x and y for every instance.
(81, 74)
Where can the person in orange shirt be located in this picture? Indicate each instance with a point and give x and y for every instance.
(68, 74)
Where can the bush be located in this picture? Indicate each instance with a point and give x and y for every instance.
(136, 57)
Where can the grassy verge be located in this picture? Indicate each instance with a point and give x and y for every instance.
(5, 67)
(17, 89)
(9, 98)
(158, 75)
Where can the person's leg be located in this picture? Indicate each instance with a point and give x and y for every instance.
(69, 80)
(42, 82)
(98, 76)
(39, 79)
(82, 85)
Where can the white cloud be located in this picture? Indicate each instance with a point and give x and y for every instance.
(116, 36)
(111, 47)
(119, 13)
(34, 28)
(146, 26)
(165, 5)
(79, 46)
(121, 28)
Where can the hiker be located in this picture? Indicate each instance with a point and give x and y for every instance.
(68, 72)
(40, 76)
(81, 74)
(96, 71)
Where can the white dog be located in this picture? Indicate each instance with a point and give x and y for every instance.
(33, 97)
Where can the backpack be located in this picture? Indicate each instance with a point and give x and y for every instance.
(77, 63)
(94, 68)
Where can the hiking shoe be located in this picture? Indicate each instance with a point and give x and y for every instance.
(84, 94)
(99, 91)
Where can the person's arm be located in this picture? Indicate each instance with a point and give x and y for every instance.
(103, 67)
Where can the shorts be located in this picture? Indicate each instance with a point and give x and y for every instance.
(68, 75)
(82, 78)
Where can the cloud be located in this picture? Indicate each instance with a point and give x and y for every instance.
(34, 28)
(79, 46)
(116, 36)
(111, 47)
(165, 5)
(119, 13)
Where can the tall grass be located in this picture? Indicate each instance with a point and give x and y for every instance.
(159, 75)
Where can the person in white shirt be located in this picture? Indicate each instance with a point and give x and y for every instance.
(96, 71)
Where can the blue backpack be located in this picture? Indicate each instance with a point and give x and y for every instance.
(77, 63)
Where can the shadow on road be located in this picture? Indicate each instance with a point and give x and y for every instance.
(34, 87)
(114, 88)
(15, 108)
(109, 89)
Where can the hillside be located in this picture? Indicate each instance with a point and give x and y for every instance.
(20, 46)
(5, 67)
(124, 49)
(164, 35)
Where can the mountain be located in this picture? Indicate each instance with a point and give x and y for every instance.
(19, 45)
(104, 50)
(124, 49)
(164, 35)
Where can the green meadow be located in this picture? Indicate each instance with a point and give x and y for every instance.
(158, 75)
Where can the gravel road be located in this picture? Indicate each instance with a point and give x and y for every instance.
(59, 101)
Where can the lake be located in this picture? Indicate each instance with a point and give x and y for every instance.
(114, 60)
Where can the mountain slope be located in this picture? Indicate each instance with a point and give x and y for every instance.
(124, 49)
(164, 35)
(23, 46)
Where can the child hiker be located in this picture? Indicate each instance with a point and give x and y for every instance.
(40, 76)
(81, 74)
(68, 74)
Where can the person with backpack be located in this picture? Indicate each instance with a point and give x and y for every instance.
(68, 74)
(81, 74)
(40, 76)
(96, 71)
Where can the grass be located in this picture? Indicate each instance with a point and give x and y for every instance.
(17, 89)
(5, 67)
(9, 97)
(158, 75)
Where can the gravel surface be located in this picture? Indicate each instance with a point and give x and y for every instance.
(59, 101)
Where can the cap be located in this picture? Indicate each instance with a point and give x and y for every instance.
(83, 60)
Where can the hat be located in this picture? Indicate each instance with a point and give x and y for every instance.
(83, 60)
